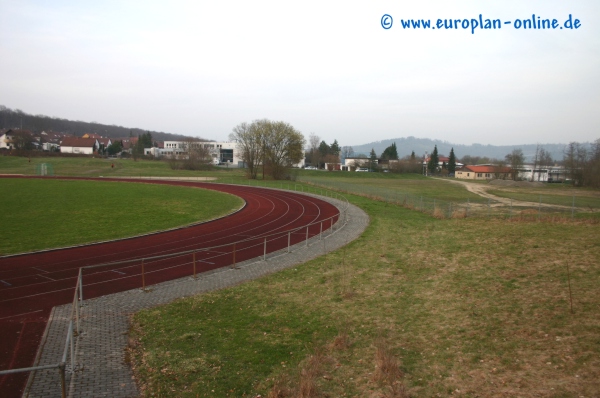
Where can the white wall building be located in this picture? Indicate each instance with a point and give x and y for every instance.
(86, 146)
(542, 173)
(221, 152)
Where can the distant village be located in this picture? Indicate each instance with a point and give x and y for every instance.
(228, 154)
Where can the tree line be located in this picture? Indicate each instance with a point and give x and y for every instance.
(17, 119)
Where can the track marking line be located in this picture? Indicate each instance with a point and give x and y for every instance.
(119, 272)
(54, 280)
(6, 283)
(25, 313)
(202, 261)
(41, 270)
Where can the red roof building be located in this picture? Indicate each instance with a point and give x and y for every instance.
(483, 172)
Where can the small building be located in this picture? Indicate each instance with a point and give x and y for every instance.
(542, 173)
(221, 152)
(483, 172)
(351, 164)
(86, 146)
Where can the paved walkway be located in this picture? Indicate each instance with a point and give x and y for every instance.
(101, 370)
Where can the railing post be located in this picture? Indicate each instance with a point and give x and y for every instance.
(321, 232)
(234, 255)
(306, 240)
(63, 384)
(76, 304)
(81, 285)
(289, 236)
(77, 301)
(72, 348)
(265, 250)
(143, 276)
(331, 226)
(194, 265)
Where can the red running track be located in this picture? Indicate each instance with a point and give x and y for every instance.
(31, 284)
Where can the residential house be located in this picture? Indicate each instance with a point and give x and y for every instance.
(104, 143)
(353, 163)
(6, 139)
(16, 138)
(86, 146)
(483, 172)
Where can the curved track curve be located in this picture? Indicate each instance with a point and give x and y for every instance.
(31, 284)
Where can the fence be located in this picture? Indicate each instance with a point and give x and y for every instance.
(544, 207)
(236, 252)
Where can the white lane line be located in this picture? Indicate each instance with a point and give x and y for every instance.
(25, 313)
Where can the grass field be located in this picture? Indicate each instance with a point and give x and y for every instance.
(416, 307)
(95, 167)
(41, 214)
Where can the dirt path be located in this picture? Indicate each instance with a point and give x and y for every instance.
(482, 190)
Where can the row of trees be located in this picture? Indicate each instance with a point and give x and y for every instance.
(583, 164)
(319, 152)
(273, 146)
(16, 118)
(433, 165)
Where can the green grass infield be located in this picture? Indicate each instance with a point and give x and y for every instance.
(42, 214)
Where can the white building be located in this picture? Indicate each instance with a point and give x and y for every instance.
(542, 173)
(86, 146)
(221, 152)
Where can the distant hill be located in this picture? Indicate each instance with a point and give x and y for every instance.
(37, 123)
(406, 145)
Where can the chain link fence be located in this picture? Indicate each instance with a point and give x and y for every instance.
(551, 207)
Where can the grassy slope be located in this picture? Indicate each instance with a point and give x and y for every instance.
(42, 214)
(467, 307)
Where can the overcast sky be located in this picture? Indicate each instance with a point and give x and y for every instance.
(326, 67)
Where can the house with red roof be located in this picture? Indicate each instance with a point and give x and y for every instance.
(483, 172)
(86, 146)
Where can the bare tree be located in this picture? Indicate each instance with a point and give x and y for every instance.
(545, 158)
(283, 147)
(250, 143)
(198, 155)
(347, 152)
(22, 139)
(273, 145)
(515, 159)
(535, 163)
(314, 141)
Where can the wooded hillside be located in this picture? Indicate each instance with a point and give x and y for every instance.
(17, 119)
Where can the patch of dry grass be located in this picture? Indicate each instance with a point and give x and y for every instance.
(467, 307)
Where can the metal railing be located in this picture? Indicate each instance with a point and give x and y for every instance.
(67, 363)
